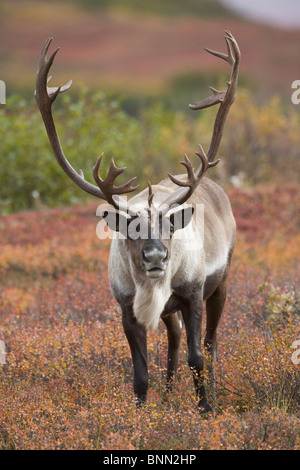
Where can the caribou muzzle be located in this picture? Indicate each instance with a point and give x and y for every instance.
(155, 259)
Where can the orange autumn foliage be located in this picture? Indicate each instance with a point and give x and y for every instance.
(66, 383)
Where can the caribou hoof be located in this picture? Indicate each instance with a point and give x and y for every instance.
(140, 402)
(204, 407)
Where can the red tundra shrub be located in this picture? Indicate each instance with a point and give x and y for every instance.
(66, 382)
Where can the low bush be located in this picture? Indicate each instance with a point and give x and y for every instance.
(261, 144)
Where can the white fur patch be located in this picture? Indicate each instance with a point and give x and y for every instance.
(149, 304)
(217, 262)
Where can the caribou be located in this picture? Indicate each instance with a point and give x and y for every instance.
(164, 264)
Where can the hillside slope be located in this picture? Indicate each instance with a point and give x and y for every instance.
(127, 51)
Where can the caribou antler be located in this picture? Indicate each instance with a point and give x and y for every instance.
(188, 186)
(107, 185)
(45, 96)
(106, 189)
(225, 99)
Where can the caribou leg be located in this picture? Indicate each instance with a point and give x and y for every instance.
(137, 338)
(214, 308)
(174, 329)
(192, 315)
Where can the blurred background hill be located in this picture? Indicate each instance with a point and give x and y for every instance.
(140, 46)
(135, 66)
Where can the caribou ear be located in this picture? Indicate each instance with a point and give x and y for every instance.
(181, 218)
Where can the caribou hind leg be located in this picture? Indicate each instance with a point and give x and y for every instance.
(214, 308)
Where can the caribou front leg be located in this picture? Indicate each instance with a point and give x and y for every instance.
(173, 325)
(192, 316)
(137, 338)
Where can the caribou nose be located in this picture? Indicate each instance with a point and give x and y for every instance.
(155, 256)
(155, 259)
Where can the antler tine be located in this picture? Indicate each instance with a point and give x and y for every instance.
(216, 98)
(205, 163)
(150, 195)
(43, 68)
(217, 54)
(190, 174)
(107, 184)
(229, 56)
